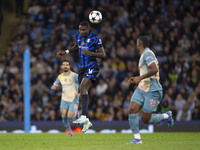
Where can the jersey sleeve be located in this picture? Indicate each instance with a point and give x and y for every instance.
(76, 81)
(98, 43)
(76, 78)
(149, 58)
(57, 82)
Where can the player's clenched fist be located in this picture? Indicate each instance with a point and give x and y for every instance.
(137, 79)
(131, 80)
(61, 53)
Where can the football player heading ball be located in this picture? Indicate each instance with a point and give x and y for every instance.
(90, 48)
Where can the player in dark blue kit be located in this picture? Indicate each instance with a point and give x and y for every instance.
(90, 48)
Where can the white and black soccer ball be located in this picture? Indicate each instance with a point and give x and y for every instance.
(95, 16)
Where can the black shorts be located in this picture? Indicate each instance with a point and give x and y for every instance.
(89, 72)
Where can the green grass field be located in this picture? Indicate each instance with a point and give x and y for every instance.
(45, 141)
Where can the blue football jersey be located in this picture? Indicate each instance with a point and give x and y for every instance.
(92, 42)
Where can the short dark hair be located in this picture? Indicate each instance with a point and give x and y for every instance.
(65, 61)
(85, 23)
(144, 40)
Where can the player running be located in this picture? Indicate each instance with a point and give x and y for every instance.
(148, 93)
(90, 48)
(69, 100)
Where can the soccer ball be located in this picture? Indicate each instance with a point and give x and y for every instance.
(95, 16)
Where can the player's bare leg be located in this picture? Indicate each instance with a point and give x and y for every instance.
(84, 87)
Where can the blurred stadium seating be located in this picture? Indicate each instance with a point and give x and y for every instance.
(173, 27)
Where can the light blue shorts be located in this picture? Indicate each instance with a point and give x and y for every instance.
(148, 100)
(70, 106)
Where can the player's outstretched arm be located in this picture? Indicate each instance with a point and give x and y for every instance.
(99, 54)
(65, 52)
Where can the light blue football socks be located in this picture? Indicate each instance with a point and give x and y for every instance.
(66, 123)
(155, 118)
(134, 123)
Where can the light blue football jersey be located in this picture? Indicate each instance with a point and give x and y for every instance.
(69, 86)
(151, 83)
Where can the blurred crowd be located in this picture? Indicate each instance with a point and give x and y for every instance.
(173, 27)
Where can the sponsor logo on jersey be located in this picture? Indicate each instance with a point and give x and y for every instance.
(83, 47)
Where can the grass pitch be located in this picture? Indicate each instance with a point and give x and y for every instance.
(98, 141)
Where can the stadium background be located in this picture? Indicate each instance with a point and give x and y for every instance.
(49, 25)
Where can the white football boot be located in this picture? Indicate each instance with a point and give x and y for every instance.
(86, 126)
(81, 120)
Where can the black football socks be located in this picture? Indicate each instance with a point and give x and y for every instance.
(84, 104)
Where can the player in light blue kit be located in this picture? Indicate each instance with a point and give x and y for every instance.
(149, 92)
(69, 100)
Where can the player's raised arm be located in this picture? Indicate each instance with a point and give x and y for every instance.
(99, 54)
(65, 52)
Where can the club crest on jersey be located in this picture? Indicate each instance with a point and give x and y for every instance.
(88, 40)
(83, 43)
